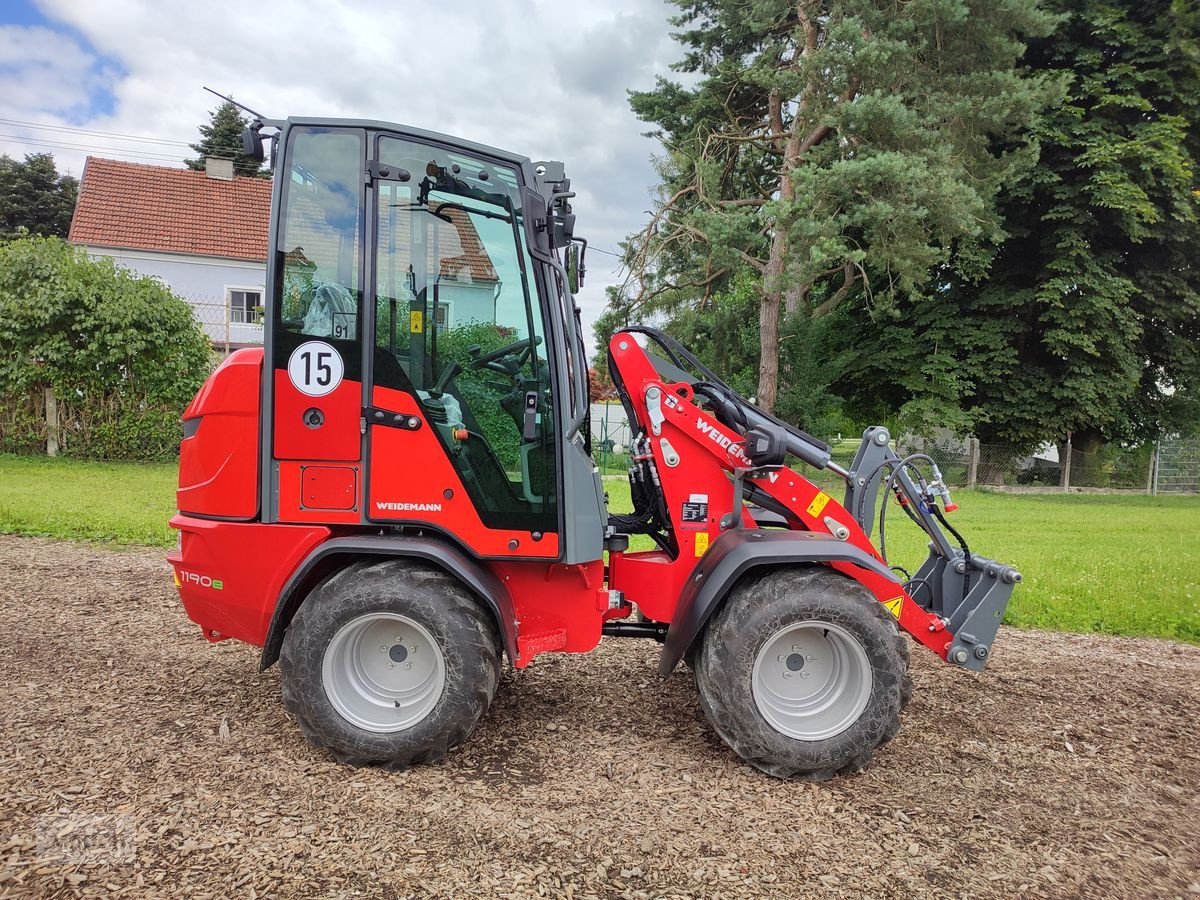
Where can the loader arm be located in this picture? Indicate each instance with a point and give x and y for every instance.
(698, 452)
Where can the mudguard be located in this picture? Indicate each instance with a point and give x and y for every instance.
(732, 555)
(323, 561)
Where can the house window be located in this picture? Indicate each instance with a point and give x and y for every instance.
(441, 317)
(245, 307)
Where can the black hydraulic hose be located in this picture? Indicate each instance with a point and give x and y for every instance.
(898, 466)
(962, 543)
(896, 463)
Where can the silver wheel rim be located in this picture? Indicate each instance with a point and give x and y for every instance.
(812, 680)
(383, 672)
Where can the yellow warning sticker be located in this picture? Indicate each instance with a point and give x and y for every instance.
(175, 575)
(818, 504)
(416, 322)
(701, 543)
(893, 606)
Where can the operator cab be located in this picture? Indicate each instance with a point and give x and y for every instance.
(422, 344)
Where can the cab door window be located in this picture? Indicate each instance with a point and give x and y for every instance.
(320, 234)
(458, 325)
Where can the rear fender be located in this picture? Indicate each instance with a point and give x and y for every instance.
(337, 553)
(734, 554)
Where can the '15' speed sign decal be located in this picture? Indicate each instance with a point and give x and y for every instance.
(315, 368)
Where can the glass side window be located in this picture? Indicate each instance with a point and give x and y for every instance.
(458, 324)
(320, 234)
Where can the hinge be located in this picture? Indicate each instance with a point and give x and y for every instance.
(407, 421)
(385, 171)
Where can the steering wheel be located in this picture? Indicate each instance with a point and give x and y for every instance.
(517, 353)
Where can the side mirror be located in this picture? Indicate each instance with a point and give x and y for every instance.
(575, 270)
(252, 145)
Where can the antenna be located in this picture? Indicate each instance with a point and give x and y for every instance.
(256, 115)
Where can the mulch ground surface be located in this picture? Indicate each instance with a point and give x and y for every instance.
(136, 758)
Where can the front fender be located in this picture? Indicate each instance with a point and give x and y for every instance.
(732, 555)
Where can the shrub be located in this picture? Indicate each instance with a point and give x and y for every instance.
(122, 354)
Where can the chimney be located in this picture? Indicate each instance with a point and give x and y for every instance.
(221, 169)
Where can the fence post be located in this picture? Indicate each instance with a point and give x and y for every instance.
(1157, 462)
(972, 462)
(225, 306)
(52, 432)
(1066, 467)
(1150, 470)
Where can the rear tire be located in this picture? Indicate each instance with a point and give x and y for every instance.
(356, 679)
(803, 673)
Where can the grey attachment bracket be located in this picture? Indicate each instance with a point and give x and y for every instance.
(836, 528)
(970, 598)
(654, 409)
(670, 457)
(866, 474)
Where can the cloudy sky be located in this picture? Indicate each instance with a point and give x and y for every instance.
(538, 77)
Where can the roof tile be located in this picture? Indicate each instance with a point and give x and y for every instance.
(123, 204)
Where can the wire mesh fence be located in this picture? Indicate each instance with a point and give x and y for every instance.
(1177, 468)
(229, 323)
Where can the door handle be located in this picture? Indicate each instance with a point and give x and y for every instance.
(529, 431)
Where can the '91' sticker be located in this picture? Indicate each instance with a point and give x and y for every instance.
(315, 368)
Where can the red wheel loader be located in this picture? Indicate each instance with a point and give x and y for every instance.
(396, 491)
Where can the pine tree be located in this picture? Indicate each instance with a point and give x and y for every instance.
(1088, 322)
(840, 150)
(34, 198)
(221, 138)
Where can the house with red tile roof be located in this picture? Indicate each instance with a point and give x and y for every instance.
(205, 235)
(202, 233)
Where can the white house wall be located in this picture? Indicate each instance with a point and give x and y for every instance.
(200, 280)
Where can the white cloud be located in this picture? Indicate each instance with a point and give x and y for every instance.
(537, 77)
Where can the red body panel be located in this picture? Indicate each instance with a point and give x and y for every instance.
(558, 607)
(218, 463)
(292, 508)
(410, 478)
(338, 437)
(229, 574)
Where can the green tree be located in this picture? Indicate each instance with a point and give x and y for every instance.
(221, 138)
(120, 348)
(1089, 321)
(839, 150)
(34, 198)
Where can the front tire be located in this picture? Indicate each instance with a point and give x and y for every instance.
(389, 663)
(803, 673)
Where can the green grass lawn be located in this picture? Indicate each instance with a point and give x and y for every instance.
(1125, 564)
(126, 503)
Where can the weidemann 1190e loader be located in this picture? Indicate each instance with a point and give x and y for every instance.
(397, 491)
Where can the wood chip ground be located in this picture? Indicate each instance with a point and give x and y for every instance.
(137, 759)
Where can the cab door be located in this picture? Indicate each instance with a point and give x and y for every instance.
(459, 424)
(315, 353)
